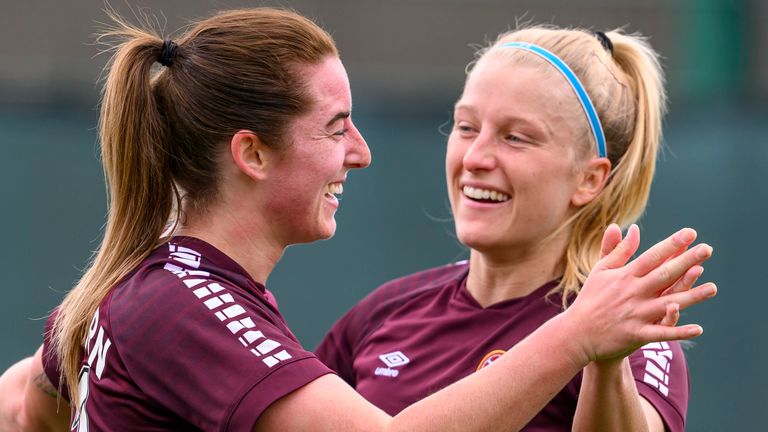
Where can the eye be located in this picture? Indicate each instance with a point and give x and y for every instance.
(517, 139)
(341, 132)
(465, 128)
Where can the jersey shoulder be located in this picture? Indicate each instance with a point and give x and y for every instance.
(366, 316)
(421, 283)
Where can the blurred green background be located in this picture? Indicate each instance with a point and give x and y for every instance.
(406, 63)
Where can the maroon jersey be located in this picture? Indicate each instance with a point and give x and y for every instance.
(188, 341)
(416, 335)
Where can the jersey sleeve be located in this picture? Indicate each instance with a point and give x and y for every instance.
(661, 376)
(51, 361)
(213, 356)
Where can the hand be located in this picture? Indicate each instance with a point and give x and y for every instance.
(624, 306)
(612, 237)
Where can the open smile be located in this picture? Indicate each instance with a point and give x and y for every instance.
(333, 191)
(484, 195)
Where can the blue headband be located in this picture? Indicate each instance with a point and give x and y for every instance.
(589, 109)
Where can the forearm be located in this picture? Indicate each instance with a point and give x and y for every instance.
(608, 400)
(12, 385)
(506, 395)
(29, 402)
(503, 396)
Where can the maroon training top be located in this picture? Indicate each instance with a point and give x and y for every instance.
(415, 335)
(187, 342)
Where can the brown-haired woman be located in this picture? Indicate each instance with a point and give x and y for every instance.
(243, 139)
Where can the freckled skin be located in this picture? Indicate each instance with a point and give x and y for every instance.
(317, 154)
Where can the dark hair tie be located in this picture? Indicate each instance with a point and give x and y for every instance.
(605, 41)
(168, 53)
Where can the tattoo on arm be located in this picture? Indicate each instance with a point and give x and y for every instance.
(44, 384)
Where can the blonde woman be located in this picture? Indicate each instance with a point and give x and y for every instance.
(554, 138)
(245, 129)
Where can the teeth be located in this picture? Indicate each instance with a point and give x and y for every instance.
(335, 189)
(486, 194)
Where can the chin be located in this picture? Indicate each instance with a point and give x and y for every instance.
(477, 240)
(311, 236)
(327, 230)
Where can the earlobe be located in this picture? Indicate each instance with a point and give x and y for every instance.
(592, 181)
(250, 154)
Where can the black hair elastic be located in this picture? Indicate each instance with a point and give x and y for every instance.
(604, 41)
(168, 53)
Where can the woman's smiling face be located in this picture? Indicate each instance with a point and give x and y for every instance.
(322, 145)
(512, 163)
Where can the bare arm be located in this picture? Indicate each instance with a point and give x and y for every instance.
(29, 402)
(618, 311)
(501, 397)
(608, 399)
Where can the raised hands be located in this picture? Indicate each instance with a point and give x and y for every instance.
(623, 306)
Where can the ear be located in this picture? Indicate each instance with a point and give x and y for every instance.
(592, 180)
(250, 154)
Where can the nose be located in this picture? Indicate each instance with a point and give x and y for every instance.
(358, 154)
(480, 154)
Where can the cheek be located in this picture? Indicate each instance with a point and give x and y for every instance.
(550, 191)
(453, 168)
(454, 157)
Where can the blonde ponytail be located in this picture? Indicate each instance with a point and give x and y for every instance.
(633, 127)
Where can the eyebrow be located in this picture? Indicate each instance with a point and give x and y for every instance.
(340, 116)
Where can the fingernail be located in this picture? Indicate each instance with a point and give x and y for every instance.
(686, 235)
(694, 275)
(711, 290)
(695, 331)
(704, 251)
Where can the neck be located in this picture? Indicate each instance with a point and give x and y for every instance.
(494, 278)
(252, 249)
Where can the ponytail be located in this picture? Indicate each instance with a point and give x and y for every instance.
(133, 139)
(631, 115)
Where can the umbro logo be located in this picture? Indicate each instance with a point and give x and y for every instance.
(392, 360)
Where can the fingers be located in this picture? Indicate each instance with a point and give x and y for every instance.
(686, 282)
(693, 296)
(662, 251)
(667, 273)
(611, 239)
(671, 316)
(623, 251)
(661, 333)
